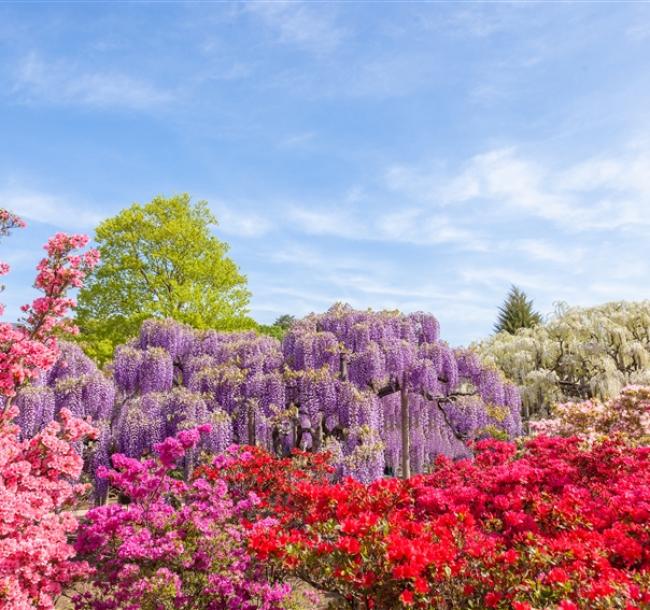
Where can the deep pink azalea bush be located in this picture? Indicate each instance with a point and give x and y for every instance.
(30, 347)
(175, 544)
(37, 476)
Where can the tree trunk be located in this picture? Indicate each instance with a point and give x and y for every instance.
(406, 425)
(294, 433)
(343, 367)
(188, 468)
(276, 442)
(317, 440)
(251, 425)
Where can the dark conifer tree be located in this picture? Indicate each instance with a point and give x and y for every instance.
(516, 312)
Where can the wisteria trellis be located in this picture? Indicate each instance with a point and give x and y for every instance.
(379, 390)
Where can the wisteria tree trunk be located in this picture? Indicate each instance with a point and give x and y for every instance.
(317, 442)
(406, 426)
(188, 468)
(251, 424)
(343, 367)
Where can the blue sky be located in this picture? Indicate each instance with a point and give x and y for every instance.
(410, 155)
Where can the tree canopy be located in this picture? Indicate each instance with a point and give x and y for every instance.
(160, 259)
(516, 312)
(285, 321)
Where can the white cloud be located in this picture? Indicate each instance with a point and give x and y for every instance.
(612, 290)
(337, 223)
(482, 20)
(272, 300)
(543, 250)
(601, 193)
(639, 32)
(498, 277)
(310, 26)
(240, 222)
(297, 140)
(50, 209)
(67, 83)
(373, 282)
(625, 174)
(302, 255)
(408, 226)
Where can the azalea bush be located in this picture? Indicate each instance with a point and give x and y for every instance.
(37, 493)
(30, 347)
(37, 476)
(627, 415)
(551, 525)
(245, 468)
(175, 544)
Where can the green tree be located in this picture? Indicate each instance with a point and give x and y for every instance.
(285, 321)
(516, 312)
(279, 328)
(160, 260)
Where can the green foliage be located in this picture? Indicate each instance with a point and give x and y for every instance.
(516, 312)
(579, 353)
(279, 328)
(160, 260)
(271, 330)
(285, 321)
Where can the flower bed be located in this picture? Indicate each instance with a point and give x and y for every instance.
(553, 525)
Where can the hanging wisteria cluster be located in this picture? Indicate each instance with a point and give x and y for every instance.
(173, 377)
(378, 390)
(382, 391)
(73, 383)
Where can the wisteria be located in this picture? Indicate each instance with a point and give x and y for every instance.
(378, 390)
(74, 383)
(387, 394)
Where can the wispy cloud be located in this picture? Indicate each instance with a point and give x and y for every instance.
(364, 281)
(302, 255)
(64, 82)
(241, 222)
(298, 140)
(338, 223)
(312, 26)
(607, 193)
(548, 251)
(639, 32)
(497, 277)
(50, 209)
(409, 226)
(482, 20)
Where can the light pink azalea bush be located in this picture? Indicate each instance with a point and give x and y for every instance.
(36, 485)
(37, 476)
(627, 415)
